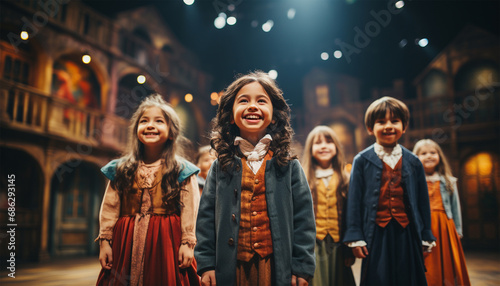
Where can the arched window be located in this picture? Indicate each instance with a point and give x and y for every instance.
(76, 82)
(477, 75)
(130, 95)
(481, 181)
(434, 84)
(477, 89)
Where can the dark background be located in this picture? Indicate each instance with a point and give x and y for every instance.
(293, 47)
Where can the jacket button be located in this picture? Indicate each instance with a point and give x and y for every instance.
(254, 228)
(256, 181)
(254, 213)
(254, 198)
(230, 241)
(255, 245)
(233, 217)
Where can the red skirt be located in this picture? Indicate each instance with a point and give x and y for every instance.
(446, 263)
(161, 265)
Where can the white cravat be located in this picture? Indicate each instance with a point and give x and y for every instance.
(254, 154)
(323, 174)
(389, 155)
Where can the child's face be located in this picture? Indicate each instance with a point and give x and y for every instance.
(205, 161)
(429, 157)
(387, 130)
(252, 111)
(152, 129)
(323, 150)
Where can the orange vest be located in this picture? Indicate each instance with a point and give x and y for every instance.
(255, 232)
(391, 201)
(327, 214)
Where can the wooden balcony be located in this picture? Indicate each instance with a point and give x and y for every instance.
(26, 109)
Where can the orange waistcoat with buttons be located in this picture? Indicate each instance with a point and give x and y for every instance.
(391, 199)
(255, 232)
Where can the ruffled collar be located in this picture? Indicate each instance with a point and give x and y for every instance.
(254, 153)
(389, 155)
(433, 178)
(323, 173)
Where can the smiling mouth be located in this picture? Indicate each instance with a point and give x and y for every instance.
(150, 134)
(252, 117)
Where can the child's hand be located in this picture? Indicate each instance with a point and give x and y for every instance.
(360, 251)
(105, 255)
(208, 278)
(299, 281)
(186, 256)
(349, 261)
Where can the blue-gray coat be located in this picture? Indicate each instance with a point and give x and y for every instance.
(291, 215)
(451, 202)
(364, 190)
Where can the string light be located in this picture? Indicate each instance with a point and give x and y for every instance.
(141, 79)
(86, 58)
(24, 35)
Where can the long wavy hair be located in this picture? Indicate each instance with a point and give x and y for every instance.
(443, 168)
(171, 154)
(224, 132)
(309, 163)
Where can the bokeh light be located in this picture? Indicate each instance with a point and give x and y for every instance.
(273, 74)
(231, 20)
(267, 26)
(86, 59)
(24, 35)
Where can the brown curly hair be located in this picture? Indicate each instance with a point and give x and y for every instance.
(224, 132)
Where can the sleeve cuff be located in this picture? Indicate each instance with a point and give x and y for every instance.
(356, 243)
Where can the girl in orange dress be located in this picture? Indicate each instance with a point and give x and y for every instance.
(446, 263)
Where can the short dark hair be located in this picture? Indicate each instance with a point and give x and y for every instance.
(379, 108)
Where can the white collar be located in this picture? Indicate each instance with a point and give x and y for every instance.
(254, 153)
(389, 155)
(323, 173)
(433, 178)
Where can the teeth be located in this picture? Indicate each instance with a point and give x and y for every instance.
(252, 117)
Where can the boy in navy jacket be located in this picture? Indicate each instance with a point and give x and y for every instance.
(388, 213)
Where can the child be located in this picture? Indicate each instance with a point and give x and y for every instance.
(256, 220)
(323, 162)
(388, 213)
(204, 160)
(147, 218)
(445, 264)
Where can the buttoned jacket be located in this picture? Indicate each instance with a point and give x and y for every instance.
(291, 216)
(364, 190)
(451, 202)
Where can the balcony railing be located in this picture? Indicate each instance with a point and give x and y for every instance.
(24, 108)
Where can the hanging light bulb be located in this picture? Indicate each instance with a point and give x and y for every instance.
(86, 58)
(24, 35)
(141, 79)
